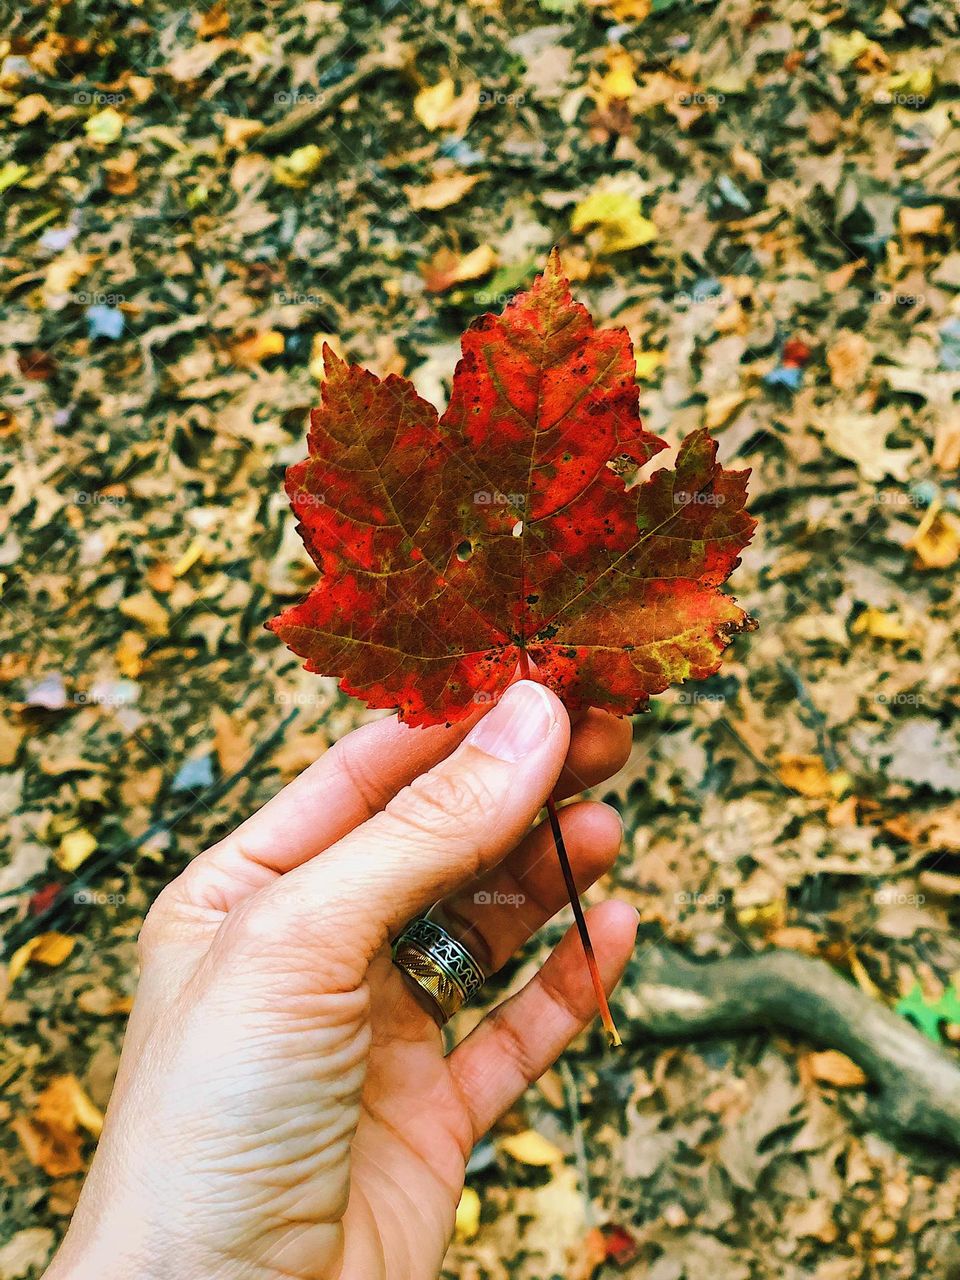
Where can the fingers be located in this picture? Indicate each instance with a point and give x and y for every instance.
(516, 1043)
(443, 830)
(494, 916)
(599, 747)
(346, 786)
(354, 780)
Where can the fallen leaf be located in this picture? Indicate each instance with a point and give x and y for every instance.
(298, 169)
(467, 1224)
(924, 221)
(835, 1068)
(618, 218)
(104, 127)
(439, 106)
(937, 539)
(530, 1147)
(443, 191)
(75, 848)
(809, 776)
(446, 268)
(50, 949)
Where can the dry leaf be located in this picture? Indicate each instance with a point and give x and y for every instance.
(439, 106)
(925, 221)
(443, 191)
(446, 268)
(75, 848)
(809, 776)
(258, 347)
(832, 1067)
(468, 1215)
(50, 949)
(530, 1147)
(617, 217)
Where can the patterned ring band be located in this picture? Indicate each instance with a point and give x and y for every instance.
(442, 968)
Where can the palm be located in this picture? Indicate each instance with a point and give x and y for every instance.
(413, 1139)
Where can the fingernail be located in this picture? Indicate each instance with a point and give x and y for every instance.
(517, 724)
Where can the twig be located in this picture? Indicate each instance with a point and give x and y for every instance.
(390, 57)
(59, 909)
(918, 1082)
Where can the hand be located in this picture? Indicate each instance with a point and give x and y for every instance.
(283, 1106)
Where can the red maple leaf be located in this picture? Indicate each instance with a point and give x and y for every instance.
(453, 549)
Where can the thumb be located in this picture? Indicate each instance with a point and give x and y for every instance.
(442, 830)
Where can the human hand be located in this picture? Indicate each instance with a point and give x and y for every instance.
(283, 1106)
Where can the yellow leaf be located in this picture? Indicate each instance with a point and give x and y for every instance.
(50, 949)
(439, 107)
(809, 776)
(832, 1067)
(142, 607)
(445, 268)
(617, 83)
(916, 82)
(925, 221)
(258, 347)
(937, 539)
(619, 218)
(104, 127)
(468, 1215)
(11, 173)
(129, 654)
(843, 50)
(64, 272)
(443, 191)
(189, 557)
(28, 108)
(298, 168)
(237, 131)
(648, 362)
(75, 848)
(530, 1147)
(65, 1105)
(880, 625)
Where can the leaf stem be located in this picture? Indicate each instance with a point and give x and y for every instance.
(606, 1017)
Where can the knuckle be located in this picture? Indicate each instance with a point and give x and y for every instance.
(157, 924)
(438, 804)
(257, 924)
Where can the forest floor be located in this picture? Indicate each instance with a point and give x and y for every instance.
(768, 198)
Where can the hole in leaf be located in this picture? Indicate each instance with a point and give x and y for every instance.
(465, 550)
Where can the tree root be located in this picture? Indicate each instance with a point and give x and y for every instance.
(918, 1083)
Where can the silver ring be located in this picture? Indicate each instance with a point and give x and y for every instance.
(441, 967)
